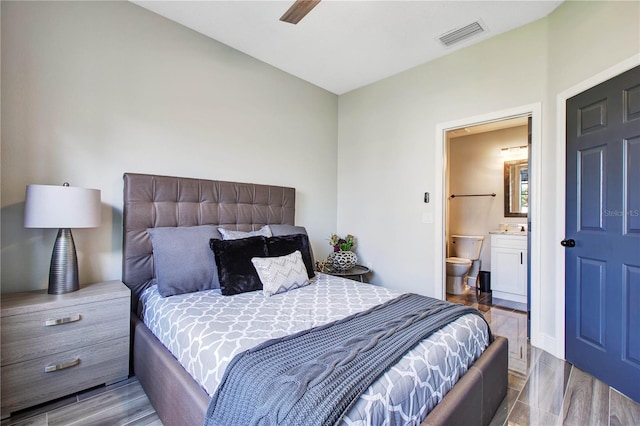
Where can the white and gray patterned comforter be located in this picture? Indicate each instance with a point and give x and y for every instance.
(205, 330)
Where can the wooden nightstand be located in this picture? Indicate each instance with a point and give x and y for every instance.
(56, 345)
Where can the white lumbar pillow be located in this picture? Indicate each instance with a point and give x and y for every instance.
(280, 274)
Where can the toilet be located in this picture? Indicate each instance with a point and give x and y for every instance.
(464, 261)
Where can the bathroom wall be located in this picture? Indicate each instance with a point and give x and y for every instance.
(476, 166)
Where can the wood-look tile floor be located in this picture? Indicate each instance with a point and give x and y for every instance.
(543, 390)
(123, 403)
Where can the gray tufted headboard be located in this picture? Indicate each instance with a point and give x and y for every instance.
(152, 201)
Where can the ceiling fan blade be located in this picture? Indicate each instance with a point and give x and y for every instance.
(298, 10)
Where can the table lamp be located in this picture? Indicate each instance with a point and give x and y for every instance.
(63, 207)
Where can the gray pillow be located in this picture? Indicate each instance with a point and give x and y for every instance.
(183, 261)
(281, 230)
(228, 234)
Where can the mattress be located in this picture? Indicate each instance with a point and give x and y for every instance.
(205, 330)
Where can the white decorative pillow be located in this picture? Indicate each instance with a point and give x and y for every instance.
(228, 234)
(280, 274)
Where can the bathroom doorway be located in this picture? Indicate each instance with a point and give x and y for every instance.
(487, 202)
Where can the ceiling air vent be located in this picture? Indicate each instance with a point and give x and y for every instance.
(455, 36)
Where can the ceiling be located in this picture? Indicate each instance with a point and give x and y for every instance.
(342, 45)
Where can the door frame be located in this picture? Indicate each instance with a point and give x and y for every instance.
(561, 171)
(535, 110)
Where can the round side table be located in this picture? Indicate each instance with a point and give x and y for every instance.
(358, 271)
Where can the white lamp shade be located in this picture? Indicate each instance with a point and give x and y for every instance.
(51, 206)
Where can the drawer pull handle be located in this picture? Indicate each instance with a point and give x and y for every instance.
(57, 367)
(65, 320)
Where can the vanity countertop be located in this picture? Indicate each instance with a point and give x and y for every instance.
(518, 233)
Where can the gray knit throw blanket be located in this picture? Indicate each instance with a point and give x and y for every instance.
(314, 377)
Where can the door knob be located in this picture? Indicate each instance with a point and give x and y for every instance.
(568, 243)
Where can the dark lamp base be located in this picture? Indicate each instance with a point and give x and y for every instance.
(63, 273)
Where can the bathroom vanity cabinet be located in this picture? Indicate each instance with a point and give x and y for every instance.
(509, 266)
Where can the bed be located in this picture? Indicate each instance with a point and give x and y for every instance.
(163, 202)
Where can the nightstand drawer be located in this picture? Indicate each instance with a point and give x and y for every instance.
(43, 333)
(26, 383)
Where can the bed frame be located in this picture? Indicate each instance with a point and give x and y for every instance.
(160, 201)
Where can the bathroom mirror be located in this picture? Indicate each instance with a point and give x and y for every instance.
(516, 188)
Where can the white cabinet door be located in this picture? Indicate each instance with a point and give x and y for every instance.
(509, 267)
(522, 273)
(507, 270)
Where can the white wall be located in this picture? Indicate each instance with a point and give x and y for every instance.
(95, 89)
(386, 150)
(387, 144)
(476, 166)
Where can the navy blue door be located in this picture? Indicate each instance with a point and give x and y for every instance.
(602, 242)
